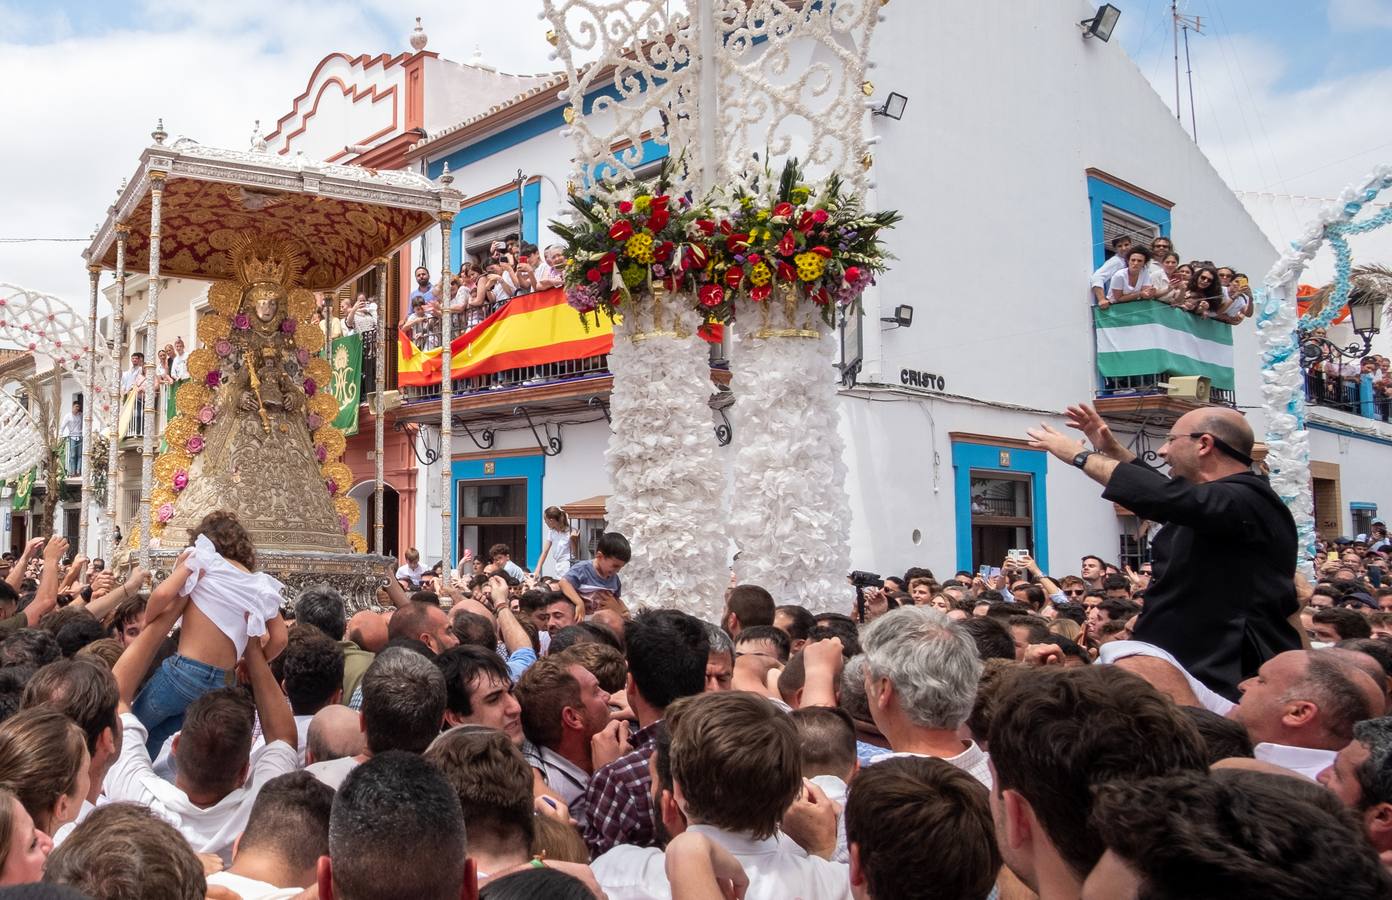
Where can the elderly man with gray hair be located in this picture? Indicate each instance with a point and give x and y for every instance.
(921, 672)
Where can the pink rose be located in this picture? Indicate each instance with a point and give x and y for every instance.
(310, 387)
(302, 356)
(241, 322)
(165, 512)
(287, 326)
(344, 523)
(223, 347)
(331, 486)
(314, 420)
(321, 453)
(206, 415)
(180, 480)
(214, 378)
(195, 444)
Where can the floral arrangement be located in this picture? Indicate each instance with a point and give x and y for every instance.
(222, 336)
(809, 242)
(632, 239)
(812, 242)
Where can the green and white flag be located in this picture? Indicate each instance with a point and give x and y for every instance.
(346, 359)
(24, 490)
(1147, 337)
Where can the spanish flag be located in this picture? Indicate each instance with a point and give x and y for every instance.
(529, 330)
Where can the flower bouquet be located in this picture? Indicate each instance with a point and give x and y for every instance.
(799, 242)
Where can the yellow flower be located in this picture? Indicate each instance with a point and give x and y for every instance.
(639, 247)
(760, 274)
(642, 203)
(800, 194)
(762, 215)
(810, 265)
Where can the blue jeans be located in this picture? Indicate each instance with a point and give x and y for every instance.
(161, 703)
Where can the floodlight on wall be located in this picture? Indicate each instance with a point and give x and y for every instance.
(1101, 25)
(902, 318)
(893, 107)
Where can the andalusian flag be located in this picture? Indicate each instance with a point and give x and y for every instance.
(1147, 337)
(529, 330)
(24, 490)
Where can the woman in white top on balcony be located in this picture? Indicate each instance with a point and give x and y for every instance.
(1162, 277)
(1132, 282)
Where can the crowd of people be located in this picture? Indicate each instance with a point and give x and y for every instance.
(1360, 385)
(510, 269)
(488, 732)
(1137, 272)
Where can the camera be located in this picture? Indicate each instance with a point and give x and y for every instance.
(866, 579)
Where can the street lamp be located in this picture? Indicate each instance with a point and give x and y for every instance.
(1366, 314)
(893, 107)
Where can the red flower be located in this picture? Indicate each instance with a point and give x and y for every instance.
(615, 298)
(625, 207)
(755, 259)
(606, 262)
(760, 293)
(787, 272)
(822, 251)
(819, 216)
(733, 276)
(663, 250)
(711, 295)
(661, 203)
(658, 220)
(695, 257)
(621, 230)
(788, 245)
(822, 297)
(852, 274)
(783, 209)
(594, 275)
(805, 223)
(706, 226)
(737, 242)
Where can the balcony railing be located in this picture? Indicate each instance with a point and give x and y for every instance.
(570, 370)
(1348, 395)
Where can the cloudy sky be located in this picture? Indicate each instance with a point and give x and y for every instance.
(1294, 98)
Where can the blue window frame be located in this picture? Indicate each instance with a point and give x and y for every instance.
(530, 469)
(986, 459)
(1103, 193)
(492, 208)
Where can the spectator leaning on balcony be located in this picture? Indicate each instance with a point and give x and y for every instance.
(360, 316)
(551, 273)
(1132, 282)
(1205, 293)
(1163, 277)
(1104, 273)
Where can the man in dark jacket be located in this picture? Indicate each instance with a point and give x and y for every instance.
(1223, 588)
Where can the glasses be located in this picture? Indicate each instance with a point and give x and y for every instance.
(1218, 442)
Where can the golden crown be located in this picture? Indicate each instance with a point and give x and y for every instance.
(257, 258)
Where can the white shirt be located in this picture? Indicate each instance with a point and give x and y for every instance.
(560, 550)
(1301, 760)
(301, 726)
(777, 869)
(132, 378)
(209, 829)
(411, 573)
(1104, 272)
(836, 791)
(1120, 282)
(178, 368)
(973, 760)
(332, 772)
(250, 888)
(72, 427)
(226, 594)
(365, 319)
(1115, 650)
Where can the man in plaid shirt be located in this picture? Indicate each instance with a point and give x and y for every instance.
(667, 653)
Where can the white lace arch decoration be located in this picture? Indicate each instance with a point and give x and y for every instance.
(1278, 327)
(787, 79)
(46, 326)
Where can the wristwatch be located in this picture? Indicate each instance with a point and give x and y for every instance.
(1081, 459)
